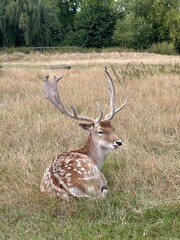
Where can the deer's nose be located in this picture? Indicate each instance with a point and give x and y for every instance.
(118, 142)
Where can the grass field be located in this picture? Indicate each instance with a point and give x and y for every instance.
(143, 175)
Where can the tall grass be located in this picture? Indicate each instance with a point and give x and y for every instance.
(144, 173)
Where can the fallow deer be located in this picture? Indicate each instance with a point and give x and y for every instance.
(78, 173)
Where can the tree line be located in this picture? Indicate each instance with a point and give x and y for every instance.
(135, 24)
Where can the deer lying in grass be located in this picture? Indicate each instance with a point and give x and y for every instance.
(78, 173)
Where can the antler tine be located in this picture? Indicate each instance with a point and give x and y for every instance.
(112, 96)
(113, 111)
(101, 113)
(122, 106)
(51, 93)
(117, 110)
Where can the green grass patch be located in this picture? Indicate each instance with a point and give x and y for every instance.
(119, 217)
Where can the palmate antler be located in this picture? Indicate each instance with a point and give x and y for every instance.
(51, 93)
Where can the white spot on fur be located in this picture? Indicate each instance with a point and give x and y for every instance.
(90, 189)
(69, 184)
(68, 175)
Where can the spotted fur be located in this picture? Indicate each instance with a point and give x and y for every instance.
(74, 174)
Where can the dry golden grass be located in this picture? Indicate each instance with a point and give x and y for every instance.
(86, 59)
(33, 131)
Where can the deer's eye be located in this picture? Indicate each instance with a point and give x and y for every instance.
(100, 132)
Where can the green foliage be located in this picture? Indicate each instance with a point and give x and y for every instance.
(27, 23)
(93, 25)
(163, 48)
(132, 32)
(173, 25)
(162, 17)
(89, 23)
(66, 12)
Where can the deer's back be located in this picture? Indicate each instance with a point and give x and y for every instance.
(73, 174)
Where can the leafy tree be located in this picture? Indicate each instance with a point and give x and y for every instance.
(132, 32)
(66, 11)
(2, 7)
(28, 22)
(46, 25)
(89, 23)
(161, 20)
(93, 25)
(173, 26)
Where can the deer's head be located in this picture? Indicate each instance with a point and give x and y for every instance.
(101, 130)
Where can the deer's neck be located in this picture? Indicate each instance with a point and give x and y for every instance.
(97, 153)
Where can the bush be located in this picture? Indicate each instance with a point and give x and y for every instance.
(163, 48)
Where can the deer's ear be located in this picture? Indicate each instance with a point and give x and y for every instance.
(87, 126)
